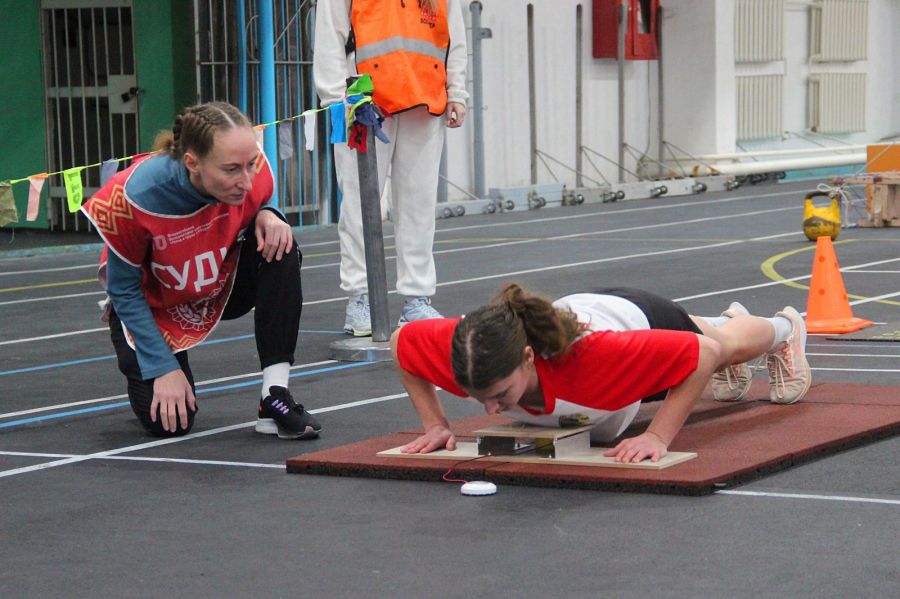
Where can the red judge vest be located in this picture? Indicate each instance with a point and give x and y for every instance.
(188, 262)
(403, 45)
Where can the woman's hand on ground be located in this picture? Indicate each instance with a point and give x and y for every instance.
(635, 449)
(173, 397)
(436, 437)
(273, 236)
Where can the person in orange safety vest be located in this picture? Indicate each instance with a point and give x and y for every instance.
(415, 52)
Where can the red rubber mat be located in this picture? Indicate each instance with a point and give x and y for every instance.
(735, 443)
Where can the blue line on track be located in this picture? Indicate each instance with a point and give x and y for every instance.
(111, 406)
(111, 356)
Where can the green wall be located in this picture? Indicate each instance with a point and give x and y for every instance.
(22, 118)
(164, 49)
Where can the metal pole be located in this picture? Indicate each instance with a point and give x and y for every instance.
(373, 239)
(578, 98)
(620, 58)
(241, 18)
(532, 115)
(478, 33)
(659, 88)
(266, 33)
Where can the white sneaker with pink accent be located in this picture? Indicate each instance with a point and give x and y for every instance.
(789, 372)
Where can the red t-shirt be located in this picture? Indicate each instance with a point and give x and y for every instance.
(603, 370)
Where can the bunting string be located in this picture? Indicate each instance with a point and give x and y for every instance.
(349, 119)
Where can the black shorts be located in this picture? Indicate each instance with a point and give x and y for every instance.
(661, 313)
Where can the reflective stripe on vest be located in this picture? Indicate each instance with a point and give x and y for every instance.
(392, 44)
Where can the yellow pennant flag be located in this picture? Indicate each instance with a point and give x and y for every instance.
(8, 212)
(74, 197)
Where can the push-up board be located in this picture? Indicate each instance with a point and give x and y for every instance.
(520, 442)
(593, 458)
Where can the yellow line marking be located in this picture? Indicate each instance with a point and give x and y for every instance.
(44, 285)
(768, 269)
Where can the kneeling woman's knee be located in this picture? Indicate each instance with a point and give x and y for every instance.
(156, 429)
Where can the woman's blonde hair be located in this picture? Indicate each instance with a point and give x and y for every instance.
(489, 343)
(195, 129)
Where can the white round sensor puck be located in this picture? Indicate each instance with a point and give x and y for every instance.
(478, 487)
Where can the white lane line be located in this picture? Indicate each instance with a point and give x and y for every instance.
(602, 260)
(501, 275)
(125, 395)
(858, 369)
(57, 335)
(515, 223)
(877, 272)
(40, 270)
(811, 496)
(874, 299)
(529, 221)
(52, 297)
(783, 281)
(145, 459)
(170, 441)
(499, 244)
(856, 355)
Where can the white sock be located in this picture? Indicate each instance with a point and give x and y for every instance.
(715, 321)
(275, 375)
(783, 328)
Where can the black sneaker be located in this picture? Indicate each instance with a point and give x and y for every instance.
(280, 415)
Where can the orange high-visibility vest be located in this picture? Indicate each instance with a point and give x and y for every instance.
(403, 46)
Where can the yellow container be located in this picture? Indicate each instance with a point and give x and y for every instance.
(821, 221)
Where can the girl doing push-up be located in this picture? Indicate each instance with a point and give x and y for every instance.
(594, 357)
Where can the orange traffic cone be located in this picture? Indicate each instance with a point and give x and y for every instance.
(828, 309)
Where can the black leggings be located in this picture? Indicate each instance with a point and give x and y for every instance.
(272, 287)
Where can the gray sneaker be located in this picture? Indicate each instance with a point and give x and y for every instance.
(417, 308)
(789, 372)
(732, 383)
(358, 322)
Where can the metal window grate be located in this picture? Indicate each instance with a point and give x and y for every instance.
(88, 74)
(305, 183)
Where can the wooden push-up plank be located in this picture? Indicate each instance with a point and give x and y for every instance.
(593, 457)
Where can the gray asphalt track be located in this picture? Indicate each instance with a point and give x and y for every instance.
(94, 508)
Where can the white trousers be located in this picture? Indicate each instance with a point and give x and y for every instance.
(413, 156)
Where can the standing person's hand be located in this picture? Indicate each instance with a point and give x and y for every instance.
(172, 396)
(273, 235)
(455, 115)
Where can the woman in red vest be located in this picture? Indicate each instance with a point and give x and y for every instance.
(592, 358)
(190, 240)
(415, 52)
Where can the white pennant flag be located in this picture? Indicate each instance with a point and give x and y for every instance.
(286, 140)
(309, 130)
